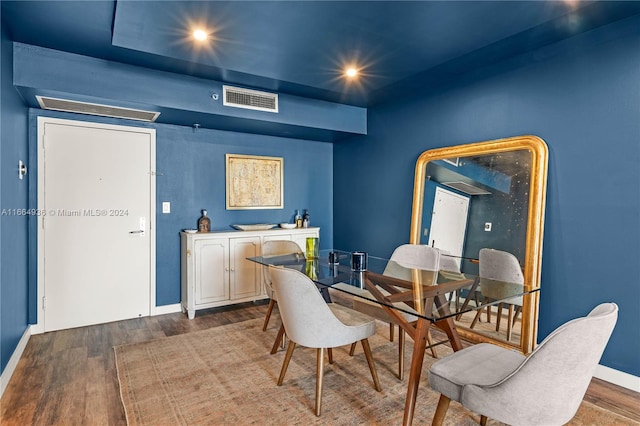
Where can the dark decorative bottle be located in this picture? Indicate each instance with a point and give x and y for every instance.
(204, 223)
(305, 219)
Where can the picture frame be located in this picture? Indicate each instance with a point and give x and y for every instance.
(254, 182)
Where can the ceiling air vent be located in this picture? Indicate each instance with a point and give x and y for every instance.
(96, 109)
(466, 188)
(249, 99)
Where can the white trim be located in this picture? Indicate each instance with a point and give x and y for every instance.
(166, 309)
(39, 327)
(617, 377)
(13, 361)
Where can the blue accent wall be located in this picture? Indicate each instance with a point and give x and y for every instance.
(14, 198)
(191, 167)
(582, 96)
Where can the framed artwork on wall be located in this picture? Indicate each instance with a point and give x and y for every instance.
(254, 182)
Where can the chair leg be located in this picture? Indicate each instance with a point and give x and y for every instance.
(401, 340)
(352, 350)
(330, 352)
(476, 318)
(483, 420)
(272, 303)
(319, 377)
(510, 322)
(515, 315)
(285, 363)
(391, 331)
(499, 316)
(441, 411)
(372, 366)
(279, 338)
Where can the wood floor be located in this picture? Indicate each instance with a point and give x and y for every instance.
(69, 376)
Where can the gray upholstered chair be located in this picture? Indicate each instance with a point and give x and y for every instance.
(449, 270)
(500, 271)
(275, 248)
(313, 323)
(544, 388)
(413, 256)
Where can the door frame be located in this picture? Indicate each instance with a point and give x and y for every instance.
(39, 327)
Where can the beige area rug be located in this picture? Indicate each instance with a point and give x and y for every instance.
(226, 376)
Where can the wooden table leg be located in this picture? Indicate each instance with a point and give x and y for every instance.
(419, 345)
(447, 324)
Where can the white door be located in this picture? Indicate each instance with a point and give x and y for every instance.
(449, 222)
(96, 247)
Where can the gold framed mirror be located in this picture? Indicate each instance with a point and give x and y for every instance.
(486, 195)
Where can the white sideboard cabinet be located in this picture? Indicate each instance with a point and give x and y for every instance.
(215, 271)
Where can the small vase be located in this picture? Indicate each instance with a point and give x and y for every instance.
(204, 223)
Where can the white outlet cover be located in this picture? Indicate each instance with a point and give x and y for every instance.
(166, 207)
(487, 226)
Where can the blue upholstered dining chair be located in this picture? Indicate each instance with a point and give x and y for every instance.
(313, 323)
(543, 388)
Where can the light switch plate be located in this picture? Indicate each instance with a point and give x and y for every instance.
(487, 226)
(166, 207)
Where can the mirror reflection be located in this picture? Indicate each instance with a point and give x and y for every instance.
(471, 203)
(477, 203)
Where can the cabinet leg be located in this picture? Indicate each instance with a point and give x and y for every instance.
(191, 313)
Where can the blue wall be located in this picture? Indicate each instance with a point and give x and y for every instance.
(582, 96)
(192, 168)
(14, 195)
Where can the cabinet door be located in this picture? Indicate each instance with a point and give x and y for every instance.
(211, 270)
(245, 277)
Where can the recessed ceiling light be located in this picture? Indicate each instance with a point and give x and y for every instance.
(200, 35)
(351, 72)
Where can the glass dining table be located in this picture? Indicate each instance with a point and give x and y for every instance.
(431, 296)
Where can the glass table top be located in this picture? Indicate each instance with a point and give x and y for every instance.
(429, 294)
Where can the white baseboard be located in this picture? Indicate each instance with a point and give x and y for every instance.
(13, 361)
(617, 377)
(166, 309)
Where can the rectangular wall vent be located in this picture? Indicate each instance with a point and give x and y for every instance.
(96, 109)
(249, 99)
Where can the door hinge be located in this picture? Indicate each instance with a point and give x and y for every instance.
(44, 303)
